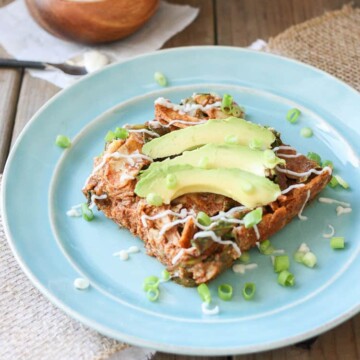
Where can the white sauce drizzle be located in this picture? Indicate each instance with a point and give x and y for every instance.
(241, 268)
(126, 176)
(145, 217)
(186, 108)
(117, 155)
(305, 174)
(257, 233)
(304, 248)
(291, 188)
(96, 197)
(75, 211)
(279, 251)
(206, 311)
(81, 283)
(330, 234)
(152, 133)
(325, 200)
(302, 217)
(283, 147)
(341, 210)
(177, 257)
(212, 235)
(290, 156)
(124, 254)
(133, 250)
(172, 122)
(169, 225)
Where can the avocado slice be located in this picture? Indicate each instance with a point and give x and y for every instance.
(238, 130)
(246, 188)
(213, 156)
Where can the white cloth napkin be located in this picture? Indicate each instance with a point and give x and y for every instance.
(24, 39)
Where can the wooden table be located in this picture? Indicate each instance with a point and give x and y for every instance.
(222, 22)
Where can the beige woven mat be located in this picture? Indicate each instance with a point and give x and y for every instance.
(330, 42)
(32, 328)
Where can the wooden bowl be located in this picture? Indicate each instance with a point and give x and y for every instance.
(92, 21)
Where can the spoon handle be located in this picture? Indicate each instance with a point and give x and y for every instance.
(12, 63)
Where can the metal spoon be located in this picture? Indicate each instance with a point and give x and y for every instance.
(64, 67)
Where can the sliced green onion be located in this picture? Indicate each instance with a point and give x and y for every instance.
(203, 218)
(333, 182)
(225, 292)
(160, 78)
(204, 293)
(298, 256)
(286, 278)
(87, 213)
(226, 104)
(121, 133)
(328, 163)
(315, 157)
(204, 162)
(171, 181)
(256, 144)
(245, 257)
(292, 115)
(337, 242)
(63, 141)
(165, 275)
(266, 247)
(110, 136)
(248, 291)
(281, 263)
(237, 110)
(231, 139)
(153, 294)
(151, 282)
(253, 218)
(309, 259)
(342, 182)
(154, 199)
(306, 132)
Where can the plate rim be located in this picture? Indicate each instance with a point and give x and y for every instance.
(117, 334)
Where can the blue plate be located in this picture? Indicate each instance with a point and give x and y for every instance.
(42, 182)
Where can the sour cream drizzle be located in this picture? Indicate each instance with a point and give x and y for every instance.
(152, 133)
(96, 197)
(330, 234)
(206, 311)
(177, 122)
(212, 235)
(326, 200)
(257, 233)
(305, 174)
(291, 188)
(341, 210)
(302, 217)
(186, 108)
(283, 147)
(145, 217)
(241, 268)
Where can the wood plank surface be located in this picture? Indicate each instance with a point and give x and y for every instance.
(224, 22)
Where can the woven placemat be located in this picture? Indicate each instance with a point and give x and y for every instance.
(32, 328)
(330, 42)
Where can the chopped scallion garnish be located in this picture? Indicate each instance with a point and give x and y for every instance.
(121, 133)
(87, 213)
(63, 141)
(306, 132)
(225, 292)
(245, 257)
(281, 263)
(266, 247)
(333, 182)
(203, 218)
(204, 293)
(253, 218)
(248, 291)
(154, 199)
(153, 294)
(309, 259)
(151, 282)
(110, 136)
(315, 157)
(226, 104)
(342, 182)
(160, 78)
(237, 110)
(286, 278)
(328, 163)
(165, 275)
(292, 115)
(298, 256)
(337, 242)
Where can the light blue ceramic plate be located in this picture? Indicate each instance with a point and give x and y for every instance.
(42, 182)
